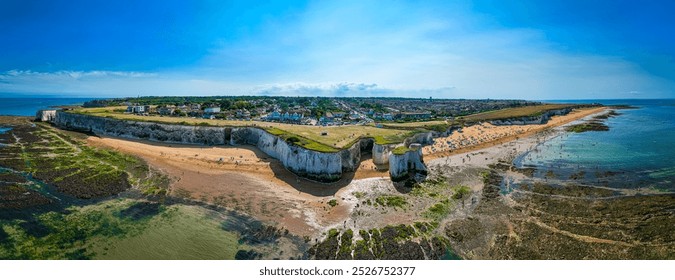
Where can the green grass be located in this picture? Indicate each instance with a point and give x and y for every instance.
(400, 150)
(388, 140)
(527, 111)
(275, 131)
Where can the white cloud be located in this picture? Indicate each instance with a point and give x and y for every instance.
(73, 74)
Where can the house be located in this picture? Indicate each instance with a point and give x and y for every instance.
(388, 116)
(243, 114)
(414, 115)
(166, 110)
(259, 111)
(274, 116)
(212, 110)
(138, 109)
(327, 118)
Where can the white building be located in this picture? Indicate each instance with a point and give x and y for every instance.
(138, 109)
(212, 110)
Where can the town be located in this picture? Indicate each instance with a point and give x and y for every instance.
(309, 111)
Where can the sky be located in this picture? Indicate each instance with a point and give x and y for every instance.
(528, 49)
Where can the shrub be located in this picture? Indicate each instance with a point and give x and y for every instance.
(293, 139)
(461, 192)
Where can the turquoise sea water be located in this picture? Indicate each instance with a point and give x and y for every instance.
(28, 106)
(638, 151)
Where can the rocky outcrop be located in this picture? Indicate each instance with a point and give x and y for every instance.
(538, 119)
(407, 165)
(424, 138)
(45, 115)
(381, 153)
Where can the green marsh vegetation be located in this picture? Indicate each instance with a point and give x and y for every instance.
(587, 126)
(394, 201)
(62, 199)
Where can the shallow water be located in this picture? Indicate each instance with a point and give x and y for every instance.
(637, 151)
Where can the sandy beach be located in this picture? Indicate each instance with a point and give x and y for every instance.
(484, 135)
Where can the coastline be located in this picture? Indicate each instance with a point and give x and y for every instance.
(213, 173)
(516, 132)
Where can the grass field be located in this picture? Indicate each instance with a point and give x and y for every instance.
(414, 124)
(336, 138)
(439, 125)
(515, 112)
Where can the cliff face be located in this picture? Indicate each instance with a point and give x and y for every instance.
(408, 165)
(541, 119)
(351, 158)
(324, 167)
(45, 115)
(425, 138)
(170, 133)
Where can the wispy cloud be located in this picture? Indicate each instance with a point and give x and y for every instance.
(340, 89)
(73, 74)
(348, 90)
(73, 82)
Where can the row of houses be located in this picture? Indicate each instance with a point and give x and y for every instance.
(402, 116)
(296, 116)
(277, 116)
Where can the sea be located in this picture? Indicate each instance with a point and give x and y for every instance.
(638, 151)
(28, 106)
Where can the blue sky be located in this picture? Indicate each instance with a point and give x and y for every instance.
(449, 49)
